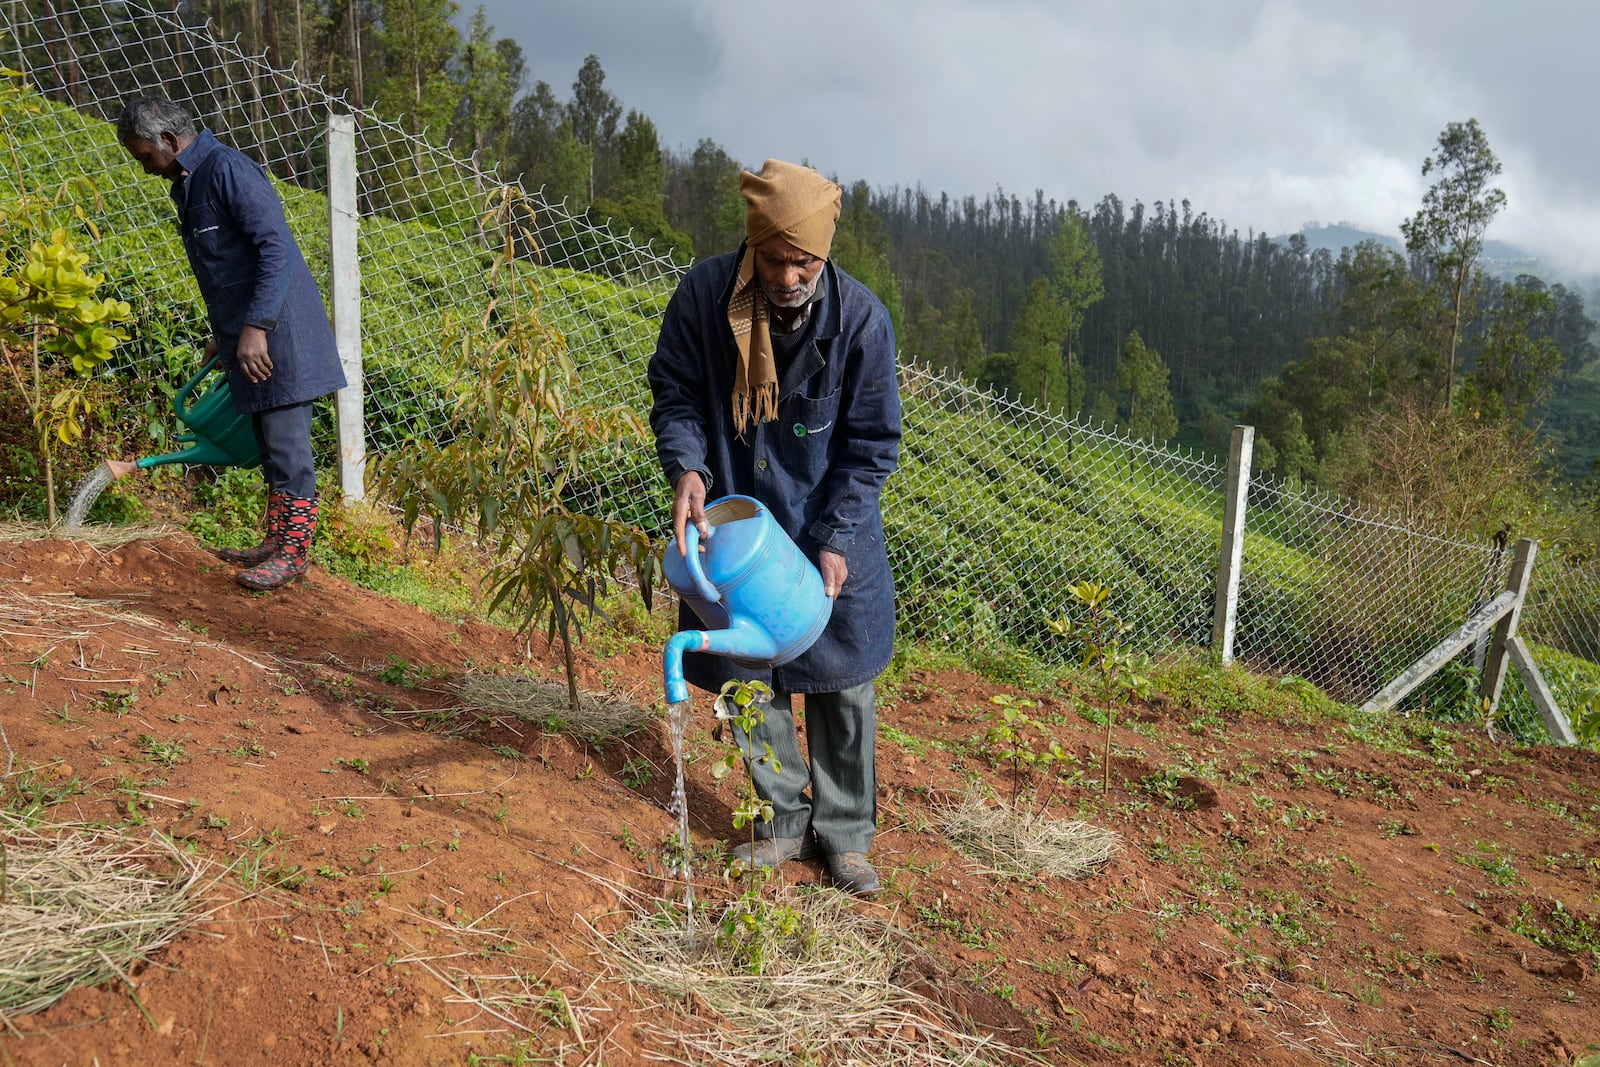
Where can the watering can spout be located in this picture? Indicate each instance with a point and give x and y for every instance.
(743, 640)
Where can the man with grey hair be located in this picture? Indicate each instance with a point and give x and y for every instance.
(268, 322)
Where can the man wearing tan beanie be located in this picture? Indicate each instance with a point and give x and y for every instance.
(774, 377)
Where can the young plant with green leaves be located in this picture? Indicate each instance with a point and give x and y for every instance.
(753, 928)
(739, 705)
(517, 439)
(1022, 741)
(1100, 631)
(48, 306)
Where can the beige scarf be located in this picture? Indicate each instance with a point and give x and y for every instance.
(800, 206)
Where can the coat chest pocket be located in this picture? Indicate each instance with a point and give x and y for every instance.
(810, 420)
(209, 239)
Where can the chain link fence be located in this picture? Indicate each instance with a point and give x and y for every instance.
(997, 507)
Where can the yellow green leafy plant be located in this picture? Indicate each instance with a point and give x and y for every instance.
(49, 302)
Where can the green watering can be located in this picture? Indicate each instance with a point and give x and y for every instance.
(217, 435)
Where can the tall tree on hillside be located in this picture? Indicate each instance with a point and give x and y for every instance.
(1034, 360)
(1520, 362)
(641, 170)
(1447, 233)
(944, 331)
(593, 114)
(638, 190)
(544, 153)
(703, 198)
(1077, 286)
(415, 43)
(1376, 352)
(490, 73)
(861, 249)
(1142, 377)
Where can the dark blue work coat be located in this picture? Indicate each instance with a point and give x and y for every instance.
(819, 467)
(251, 271)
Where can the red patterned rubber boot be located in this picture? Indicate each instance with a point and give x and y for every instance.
(277, 508)
(299, 523)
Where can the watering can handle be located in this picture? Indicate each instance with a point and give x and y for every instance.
(691, 559)
(191, 385)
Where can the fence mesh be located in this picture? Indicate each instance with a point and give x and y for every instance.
(997, 507)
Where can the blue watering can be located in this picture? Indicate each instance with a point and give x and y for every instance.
(756, 591)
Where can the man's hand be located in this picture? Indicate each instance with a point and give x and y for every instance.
(834, 571)
(252, 354)
(689, 505)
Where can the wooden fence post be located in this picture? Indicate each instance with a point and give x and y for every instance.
(1225, 611)
(343, 224)
(1497, 663)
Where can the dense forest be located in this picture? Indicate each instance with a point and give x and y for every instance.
(1156, 318)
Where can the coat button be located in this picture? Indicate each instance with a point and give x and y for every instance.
(761, 464)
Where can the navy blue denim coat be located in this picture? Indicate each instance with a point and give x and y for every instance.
(819, 467)
(251, 271)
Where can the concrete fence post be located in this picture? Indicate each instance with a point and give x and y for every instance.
(1497, 663)
(1225, 612)
(343, 226)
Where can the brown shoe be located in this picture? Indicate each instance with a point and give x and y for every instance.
(853, 874)
(772, 852)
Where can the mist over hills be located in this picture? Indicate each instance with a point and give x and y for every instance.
(1500, 258)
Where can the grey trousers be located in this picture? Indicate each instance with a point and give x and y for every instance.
(841, 734)
(283, 436)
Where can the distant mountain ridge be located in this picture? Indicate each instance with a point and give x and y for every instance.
(1500, 257)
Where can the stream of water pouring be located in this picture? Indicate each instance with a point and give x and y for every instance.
(678, 717)
(88, 490)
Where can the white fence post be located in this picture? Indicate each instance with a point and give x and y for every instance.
(1225, 612)
(343, 223)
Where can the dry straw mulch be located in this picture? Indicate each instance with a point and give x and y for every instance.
(599, 719)
(835, 982)
(1018, 843)
(80, 906)
(100, 537)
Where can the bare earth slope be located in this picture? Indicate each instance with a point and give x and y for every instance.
(1291, 888)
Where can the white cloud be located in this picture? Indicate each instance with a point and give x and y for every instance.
(1265, 113)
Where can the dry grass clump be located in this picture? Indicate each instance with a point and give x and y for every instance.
(101, 537)
(600, 718)
(830, 985)
(80, 906)
(1018, 843)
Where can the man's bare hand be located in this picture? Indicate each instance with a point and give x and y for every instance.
(689, 505)
(252, 354)
(834, 571)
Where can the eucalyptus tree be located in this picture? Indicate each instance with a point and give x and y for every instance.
(1447, 232)
(1142, 377)
(489, 72)
(593, 114)
(1077, 285)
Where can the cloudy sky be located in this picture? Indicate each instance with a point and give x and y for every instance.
(1263, 114)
